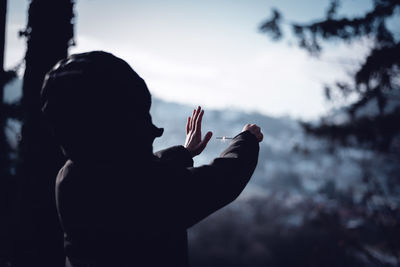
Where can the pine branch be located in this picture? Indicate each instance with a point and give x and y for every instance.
(375, 132)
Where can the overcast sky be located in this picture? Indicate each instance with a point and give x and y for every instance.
(209, 52)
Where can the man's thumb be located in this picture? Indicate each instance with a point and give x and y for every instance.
(207, 138)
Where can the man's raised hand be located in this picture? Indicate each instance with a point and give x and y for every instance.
(255, 130)
(194, 142)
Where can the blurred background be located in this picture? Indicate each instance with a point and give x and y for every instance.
(320, 77)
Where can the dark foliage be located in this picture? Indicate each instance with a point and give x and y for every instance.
(371, 125)
(235, 238)
(377, 132)
(273, 230)
(376, 82)
(272, 26)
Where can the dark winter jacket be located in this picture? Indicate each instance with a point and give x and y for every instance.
(136, 211)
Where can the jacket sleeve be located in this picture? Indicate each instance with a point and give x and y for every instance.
(176, 155)
(210, 187)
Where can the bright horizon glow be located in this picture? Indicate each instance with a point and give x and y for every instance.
(211, 54)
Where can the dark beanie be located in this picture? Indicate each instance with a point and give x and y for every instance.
(94, 102)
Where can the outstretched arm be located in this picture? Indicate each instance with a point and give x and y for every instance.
(203, 190)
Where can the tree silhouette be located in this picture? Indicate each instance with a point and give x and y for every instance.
(6, 179)
(375, 83)
(372, 121)
(39, 241)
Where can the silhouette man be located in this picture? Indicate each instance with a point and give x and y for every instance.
(118, 203)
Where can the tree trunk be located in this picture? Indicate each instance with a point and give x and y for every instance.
(5, 175)
(40, 240)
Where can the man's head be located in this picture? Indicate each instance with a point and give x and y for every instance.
(95, 102)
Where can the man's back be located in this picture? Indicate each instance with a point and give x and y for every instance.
(118, 214)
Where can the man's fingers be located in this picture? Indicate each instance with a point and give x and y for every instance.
(193, 119)
(188, 125)
(255, 130)
(204, 143)
(198, 121)
(196, 115)
(208, 136)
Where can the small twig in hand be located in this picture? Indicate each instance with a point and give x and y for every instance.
(223, 138)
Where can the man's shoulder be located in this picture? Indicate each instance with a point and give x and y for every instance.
(73, 175)
(65, 171)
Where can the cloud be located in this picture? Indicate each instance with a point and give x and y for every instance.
(276, 80)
